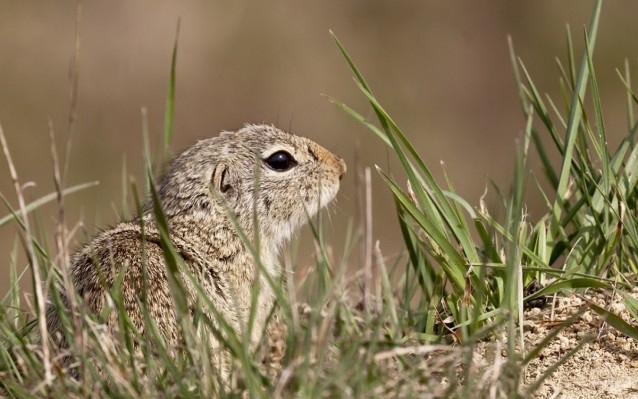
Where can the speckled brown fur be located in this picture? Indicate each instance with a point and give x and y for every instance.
(198, 186)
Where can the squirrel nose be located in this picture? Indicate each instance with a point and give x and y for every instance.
(342, 169)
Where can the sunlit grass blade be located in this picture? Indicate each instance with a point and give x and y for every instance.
(575, 118)
(169, 112)
(447, 250)
(572, 283)
(174, 263)
(44, 200)
(615, 321)
(397, 139)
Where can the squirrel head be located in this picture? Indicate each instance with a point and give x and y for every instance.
(265, 178)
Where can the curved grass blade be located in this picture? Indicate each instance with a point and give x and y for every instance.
(615, 321)
(43, 200)
(583, 282)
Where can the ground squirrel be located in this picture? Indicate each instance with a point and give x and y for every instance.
(202, 186)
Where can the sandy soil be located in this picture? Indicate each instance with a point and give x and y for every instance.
(606, 366)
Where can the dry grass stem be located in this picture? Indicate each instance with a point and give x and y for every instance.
(367, 281)
(35, 267)
(409, 350)
(74, 75)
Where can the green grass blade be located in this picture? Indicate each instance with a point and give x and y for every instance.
(172, 258)
(631, 303)
(615, 321)
(457, 225)
(45, 199)
(169, 111)
(453, 269)
(571, 283)
(575, 117)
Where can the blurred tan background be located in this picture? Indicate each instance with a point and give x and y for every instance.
(442, 70)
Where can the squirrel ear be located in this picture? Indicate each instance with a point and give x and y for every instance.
(221, 179)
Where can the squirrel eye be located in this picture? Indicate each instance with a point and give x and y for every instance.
(281, 161)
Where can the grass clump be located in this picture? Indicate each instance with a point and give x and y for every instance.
(470, 274)
(465, 281)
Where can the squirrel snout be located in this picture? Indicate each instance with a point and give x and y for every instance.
(342, 169)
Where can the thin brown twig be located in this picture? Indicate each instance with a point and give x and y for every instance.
(63, 257)
(368, 241)
(286, 376)
(60, 180)
(410, 350)
(74, 74)
(383, 279)
(40, 297)
(71, 233)
(62, 243)
(360, 206)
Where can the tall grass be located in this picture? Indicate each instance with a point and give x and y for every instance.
(466, 277)
(471, 271)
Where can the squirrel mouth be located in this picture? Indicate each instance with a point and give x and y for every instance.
(328, 193)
